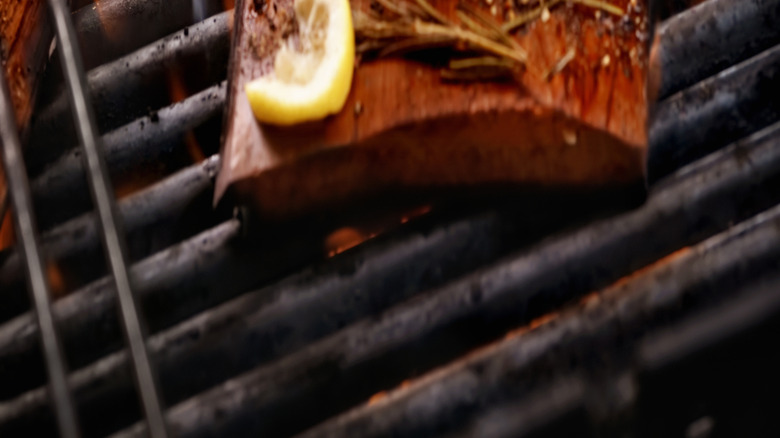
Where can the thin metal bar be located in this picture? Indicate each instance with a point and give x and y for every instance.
(121, 88)
(106, 211)
(19, 192)
(713, 113)
(713, 36)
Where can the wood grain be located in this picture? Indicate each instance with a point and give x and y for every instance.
(25, 37)
(586, 126)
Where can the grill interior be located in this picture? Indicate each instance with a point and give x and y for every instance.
(541, 315)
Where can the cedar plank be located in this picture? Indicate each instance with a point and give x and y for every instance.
(416, 131)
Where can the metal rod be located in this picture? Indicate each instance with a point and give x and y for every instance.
(143, 214)
(713, 36)
(139, 143)
(713, 113)
(144, 20)
(19, 192)
(106, 211)
(646, 311)
(125, 89)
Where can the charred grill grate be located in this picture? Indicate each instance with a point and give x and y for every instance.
(483, 318)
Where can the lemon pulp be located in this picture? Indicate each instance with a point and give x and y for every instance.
(312, 76)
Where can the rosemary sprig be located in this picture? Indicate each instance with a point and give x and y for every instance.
(413, 32)
(533, 14)
(478, 68)
(482, 67)
(488, 23)
(392, 7)
(474, 40)
(528, 16)
(416, 25)
(471, 24)
(602, 5)
(482, 61)
(436, 15)
(561, 64)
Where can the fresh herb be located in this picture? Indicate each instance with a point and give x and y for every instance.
(415, 25)
(528, 15)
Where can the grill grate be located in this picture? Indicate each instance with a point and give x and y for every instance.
(113, 240)
(239, 352)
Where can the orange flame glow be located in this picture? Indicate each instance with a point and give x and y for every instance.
(7, 238)
(178, 92)
(377, 397)
(644, 270)
(349, 237)
(345, 238)
(137, 181)
(56, 279)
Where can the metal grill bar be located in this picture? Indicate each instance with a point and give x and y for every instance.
(24, 217)
(119, 90)
(713, 113)
(142, 214)
(62, 188)
(382, 267)
(149, 21)
(88, 326)
(712, 36)
(106, 210)
(727, 265)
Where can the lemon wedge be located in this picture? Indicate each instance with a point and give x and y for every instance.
(312, 76)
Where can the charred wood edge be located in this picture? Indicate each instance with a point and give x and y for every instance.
(116, 87)
(142, 211)
(333, 374)
(713, 36)
(62, 186)
(150, 20)
(714, 113)
(728, 302)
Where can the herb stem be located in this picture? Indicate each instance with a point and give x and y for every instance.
(435, 14)
(528, 16)
(478, 41)
(533, 14)
(481, 61)
(561, 64)
(599, 4)
(500, 34)
(390, 6)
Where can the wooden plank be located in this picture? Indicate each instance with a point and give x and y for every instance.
(585, 126)
(25, 38)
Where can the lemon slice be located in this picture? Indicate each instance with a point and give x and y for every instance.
(312, 76)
